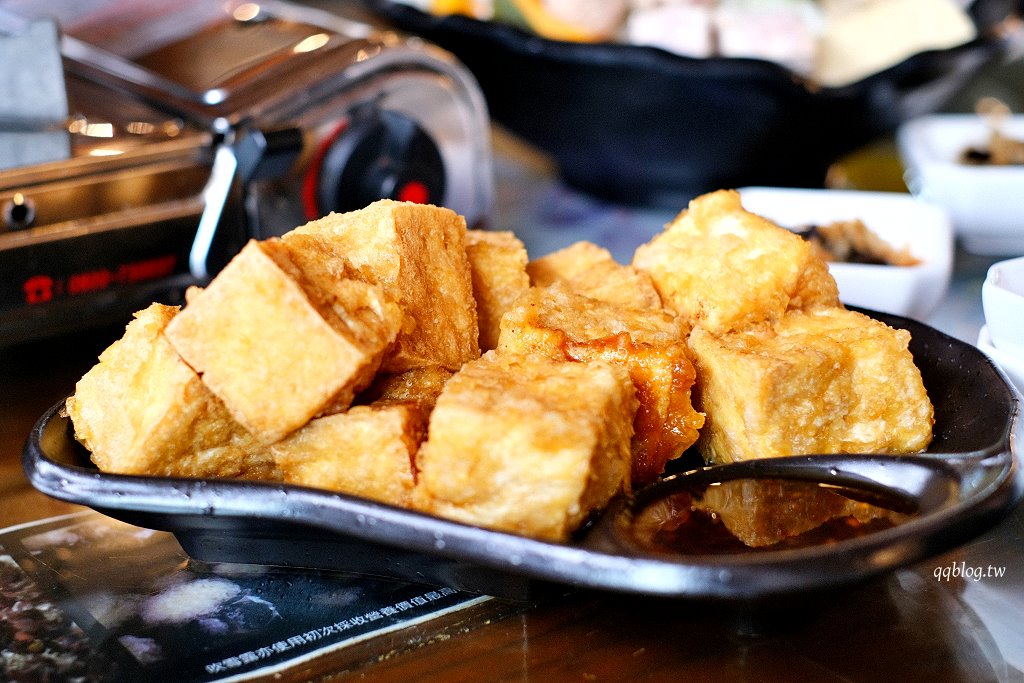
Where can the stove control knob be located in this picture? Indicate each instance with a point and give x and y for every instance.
(378, 155)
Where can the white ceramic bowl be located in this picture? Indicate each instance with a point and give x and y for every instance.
(898, 218)
(1002, 298)
(1010, 364)
(984, 202)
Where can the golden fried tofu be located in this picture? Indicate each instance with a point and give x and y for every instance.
(277, 350)
(591, 270)
(367, 451)
(142, 410)
(823, 381)
(724, 268)
(527, 445)
(421, 386)
(649, 343)
(417, 254)
(368, 315)
(497, 262)
(400, 405)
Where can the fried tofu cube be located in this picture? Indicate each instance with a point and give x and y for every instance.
(823, 381)
(591, 270)
(417, 254)
(527, 445)
(497, 262)
(369, 316)
(367, 451)
(422, 386)
(724, 268)
(649, 343)
(275, 349)
(142, 410)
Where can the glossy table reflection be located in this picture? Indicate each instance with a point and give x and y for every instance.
(929, 622)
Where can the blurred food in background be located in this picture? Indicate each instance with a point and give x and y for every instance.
(1000, 149)
(653, 102)
(831, 42)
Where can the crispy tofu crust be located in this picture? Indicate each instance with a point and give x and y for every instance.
(823, 381)
(142, 410)
(417, 254)
(591, 270)
(420, 385)
(527, 445)
(275, 349)
(497, 262)
(649, 343)
(367, 451)
(724, 268)
(360, 309)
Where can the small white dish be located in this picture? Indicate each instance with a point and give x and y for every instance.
(1002, 298)
(898, 218)
(984, 202)
(1009, 363)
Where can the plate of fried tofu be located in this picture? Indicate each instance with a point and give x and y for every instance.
(387, 392)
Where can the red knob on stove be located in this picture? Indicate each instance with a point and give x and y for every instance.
(378, 155)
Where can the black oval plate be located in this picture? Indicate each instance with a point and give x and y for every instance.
(969, 479)
(641, 125)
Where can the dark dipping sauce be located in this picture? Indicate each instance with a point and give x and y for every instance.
(756, 515)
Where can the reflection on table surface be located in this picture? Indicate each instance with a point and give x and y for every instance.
(950, 618)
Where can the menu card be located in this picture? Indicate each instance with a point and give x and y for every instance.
(85, 597)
